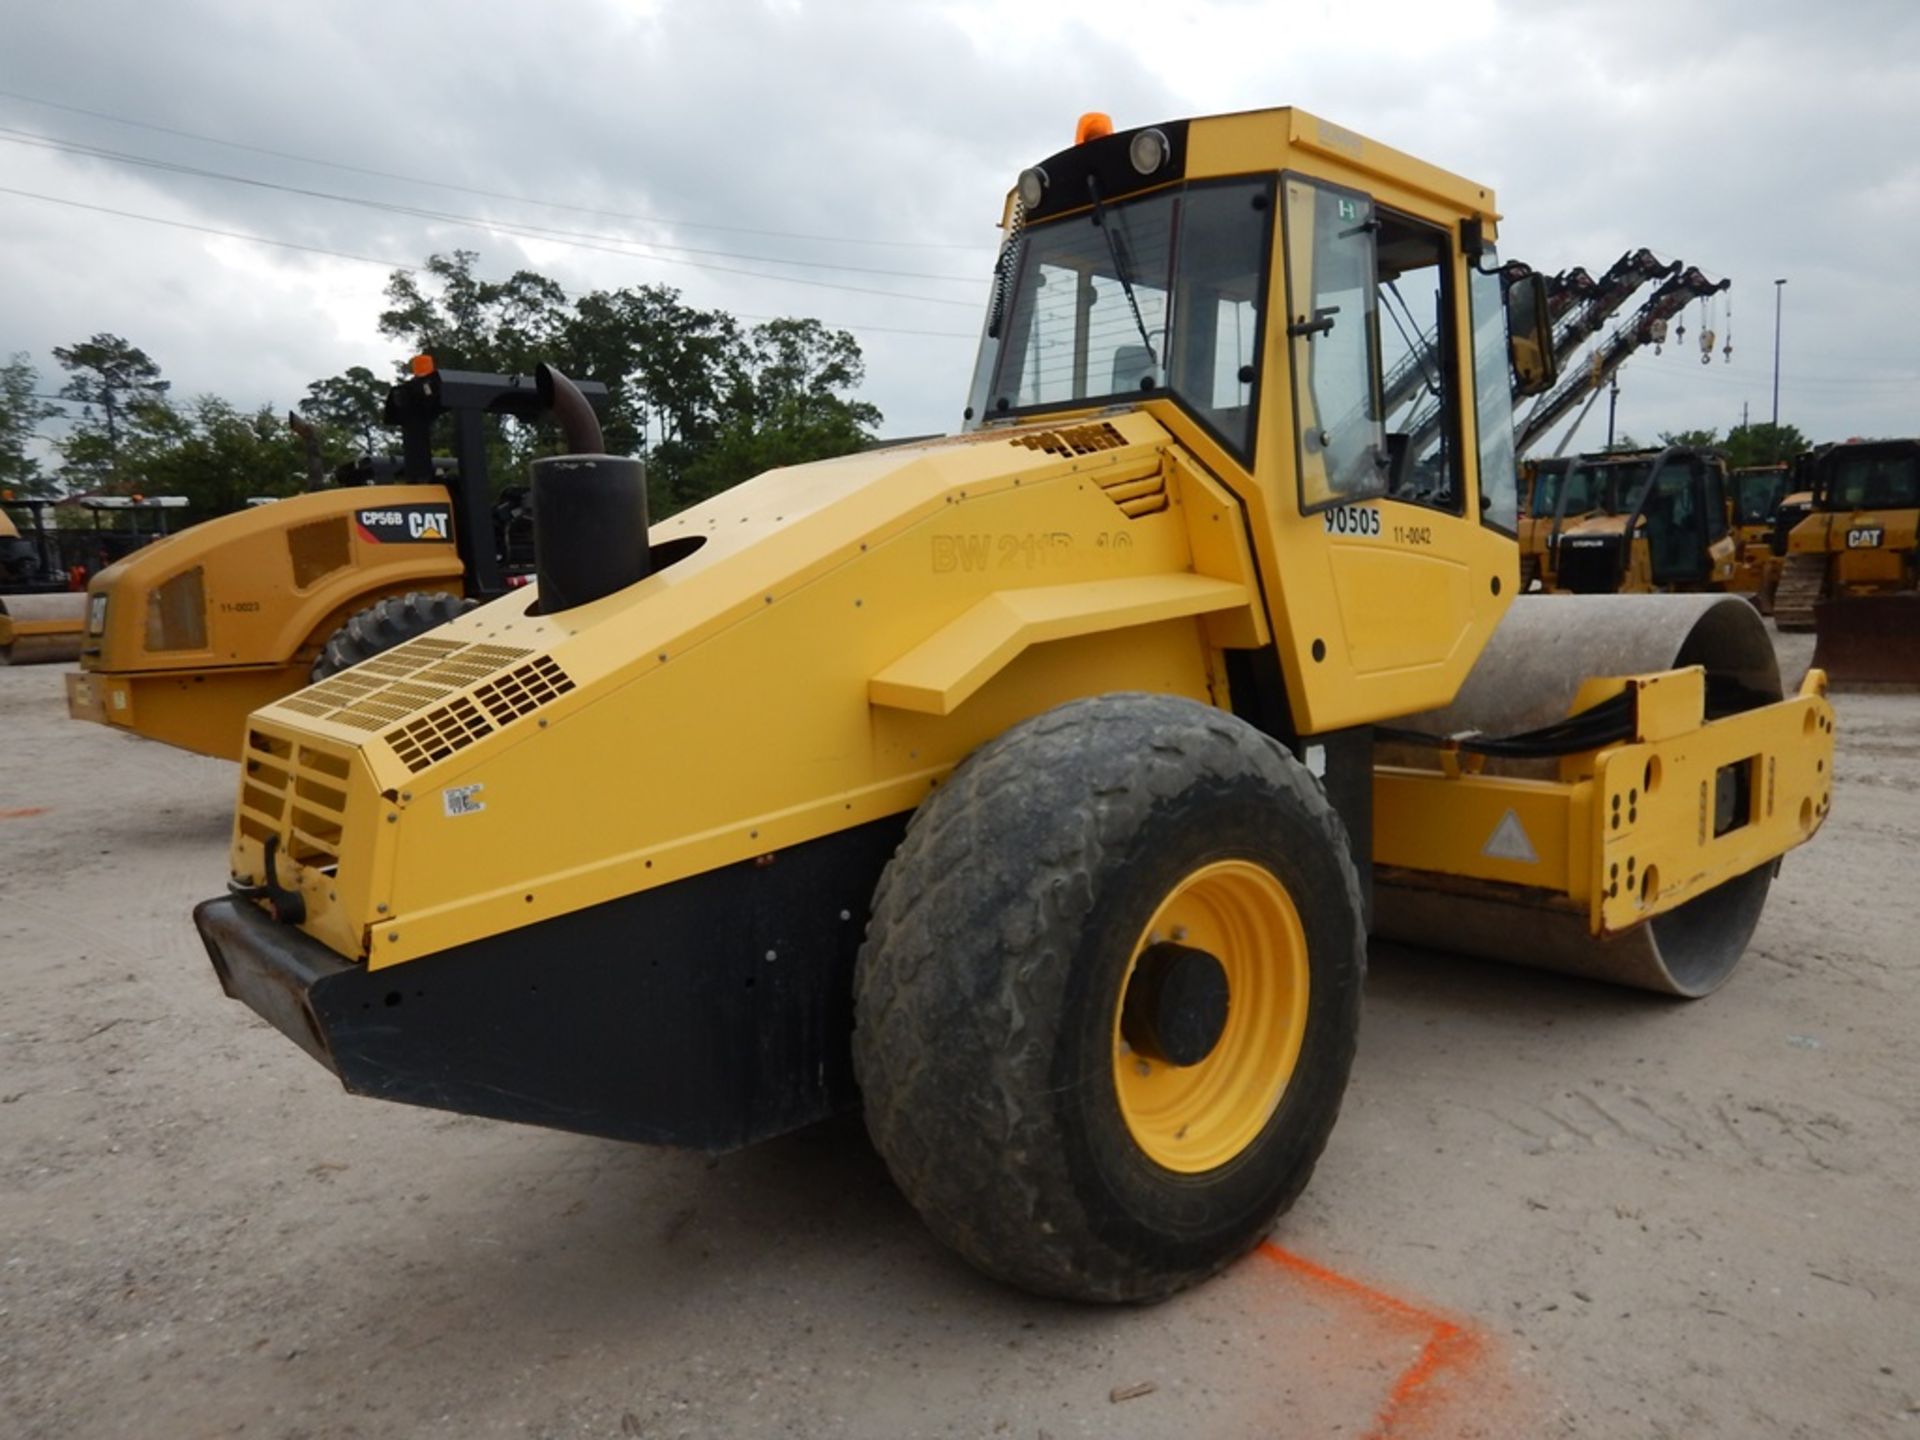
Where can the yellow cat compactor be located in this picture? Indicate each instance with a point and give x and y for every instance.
(40, 620)
(187, 636)
(1034, 785)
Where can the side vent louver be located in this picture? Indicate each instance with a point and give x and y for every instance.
(413, 694)
(1144, 496)
(1136, 497)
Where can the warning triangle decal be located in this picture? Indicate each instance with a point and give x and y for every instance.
(1509, 841)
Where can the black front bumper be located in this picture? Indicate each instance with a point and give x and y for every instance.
(709, 1013)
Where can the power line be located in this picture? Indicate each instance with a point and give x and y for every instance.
(472, 190)
(98, 152)
(393, 264)
(579, 240)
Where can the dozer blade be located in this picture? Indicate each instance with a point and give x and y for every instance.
(1869, 641)
(1802, 578)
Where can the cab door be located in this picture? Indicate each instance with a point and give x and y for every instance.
(1678, 525)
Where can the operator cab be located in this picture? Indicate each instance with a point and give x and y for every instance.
(1321, 328)
(1123, 277)
(1869, 475)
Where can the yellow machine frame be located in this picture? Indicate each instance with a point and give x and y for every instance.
(821, 647)
(965, 584)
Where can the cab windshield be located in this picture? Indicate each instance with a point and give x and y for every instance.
(1153, 295)
(1756, 493)
(1606, 487)
(1875, 482)
(1546, 488)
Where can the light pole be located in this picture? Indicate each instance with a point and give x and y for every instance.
(1779, 289)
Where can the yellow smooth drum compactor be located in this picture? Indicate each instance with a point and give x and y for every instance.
(40, 620)
(1035, 785)
(40, 629)
(187, 637)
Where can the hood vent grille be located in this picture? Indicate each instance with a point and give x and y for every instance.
(1073, 440)
(439, 733)
(402, 682)
(417, 687)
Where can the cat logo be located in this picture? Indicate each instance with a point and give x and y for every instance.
(406, 524)
(1864, 537)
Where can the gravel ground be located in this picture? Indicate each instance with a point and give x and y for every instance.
(1549, 1209)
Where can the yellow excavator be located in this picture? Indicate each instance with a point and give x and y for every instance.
(1852, 567)
(1037, 787)
(186, 637)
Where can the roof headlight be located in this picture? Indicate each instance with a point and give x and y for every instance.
(1032, 187)
(1148, 151)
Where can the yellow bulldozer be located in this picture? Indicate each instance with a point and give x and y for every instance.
(1642, 522)
(187, 636)
(1852, 567)
(1754, 497)
(1540, 482)
(1039, 786)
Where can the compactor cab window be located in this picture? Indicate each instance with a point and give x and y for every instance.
(1493, 404)
(1416, 363)
(1369, 326)
(1140, 297)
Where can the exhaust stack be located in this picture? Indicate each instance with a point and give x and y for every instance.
(589, 508)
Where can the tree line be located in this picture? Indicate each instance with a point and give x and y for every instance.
(706, 400)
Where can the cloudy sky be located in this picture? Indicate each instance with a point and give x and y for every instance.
(846, 160)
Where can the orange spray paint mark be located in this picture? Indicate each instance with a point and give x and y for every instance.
(30, 811)
(1449, 1346)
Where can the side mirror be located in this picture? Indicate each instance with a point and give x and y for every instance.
(1530, 337)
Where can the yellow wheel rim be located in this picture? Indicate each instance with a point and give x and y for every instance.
(1194, 1118)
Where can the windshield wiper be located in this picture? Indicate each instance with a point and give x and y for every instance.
(1122, 270)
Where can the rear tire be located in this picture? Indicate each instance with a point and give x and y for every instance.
(382, 626)
(996, 1036)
